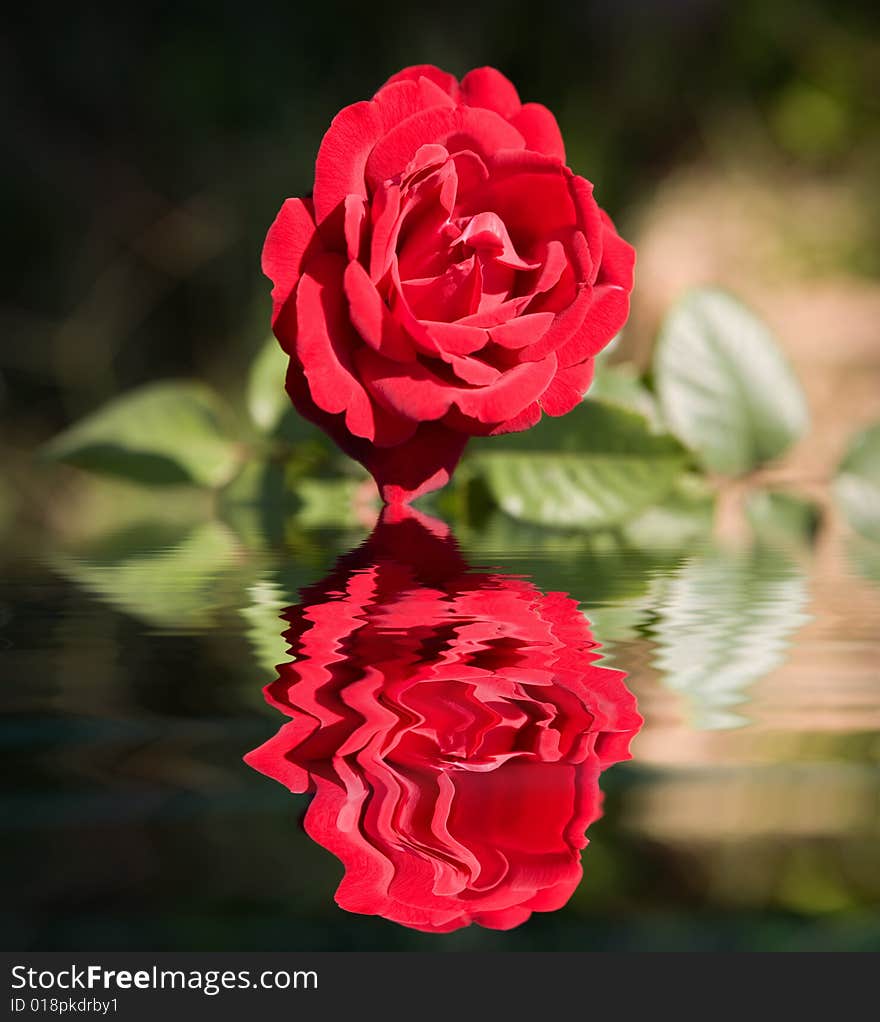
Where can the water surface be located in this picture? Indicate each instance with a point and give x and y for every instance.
(747, 817)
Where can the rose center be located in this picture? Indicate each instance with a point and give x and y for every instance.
(449, 265)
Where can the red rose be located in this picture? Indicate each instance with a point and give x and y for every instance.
(452, 725)
(449, 277)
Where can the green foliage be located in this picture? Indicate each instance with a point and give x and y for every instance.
(782, 518)
(172, 583)
(260, 481)
(620, 384)
(328, 503)
(595, 467)
(272, 412)
(602, 567)
(164, 433)
(264, 625)
(266, 397)
(726, 401)
(684, 516)
(857, 486)
(723, 621)
(725, 389)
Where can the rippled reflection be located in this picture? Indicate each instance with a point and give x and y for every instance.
(452, 725)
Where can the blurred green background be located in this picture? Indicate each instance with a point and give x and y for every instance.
(148, 149)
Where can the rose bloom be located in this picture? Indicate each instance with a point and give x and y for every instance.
(452, 725)
(449, 277)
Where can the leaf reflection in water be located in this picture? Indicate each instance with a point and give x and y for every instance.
(724, 621)
(452, 725)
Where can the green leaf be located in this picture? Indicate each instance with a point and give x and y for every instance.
(725, 388)
(270, 406)
(723, 622)
(265, 627)
(164, 433)
(595, 467)
(266, 397)
(600, 568)
(614, 624)
(857, 485)
(328, 503)
(259, 482)
(173, 584)
(782, 518)
(620, 384)
(686, 514)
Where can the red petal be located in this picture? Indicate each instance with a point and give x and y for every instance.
(589, 220)
(472, 128)
(446, 81)
(522, 331)
(539, 128)
(432, 337)
(503, 919)
(471, 170)
(421, 464)
(558, 297)
(270, 759)
(427, 156)
(451, 338)
(564, 327)
(401, 99)
(580, 257)
(324, 343)
(342, 156)
(354, 222)
(486, 87)
(606, 315)
(554, 262)
(502, 313)
(414, 392)
(528, 417)
(530, 192)
(618, 257)
(372, 318)
(409, 389)
(472, 370)
(385, 211)
(345, 148)
(423, 233)
(448, 296)
(487, 231)
(290, 236)
(390, 428)
(568, 387)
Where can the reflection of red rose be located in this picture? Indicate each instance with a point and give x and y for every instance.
(450, 276)
(452, 726)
